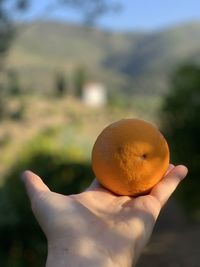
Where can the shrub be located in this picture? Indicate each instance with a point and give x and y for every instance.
(180, 117)
(22, 242)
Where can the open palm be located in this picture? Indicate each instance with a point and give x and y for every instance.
(96, 227)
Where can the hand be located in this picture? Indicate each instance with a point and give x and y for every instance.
(96, 227)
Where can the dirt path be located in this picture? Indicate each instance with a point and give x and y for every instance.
(175, 242)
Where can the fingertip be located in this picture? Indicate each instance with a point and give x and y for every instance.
(183, 168)
(25, 174)
(163, 190)
(181, 171)
(33, 183)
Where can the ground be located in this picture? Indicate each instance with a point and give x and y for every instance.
(175, 241)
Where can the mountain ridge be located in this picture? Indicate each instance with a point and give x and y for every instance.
(135, 62)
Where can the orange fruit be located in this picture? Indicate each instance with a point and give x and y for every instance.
(130, 157)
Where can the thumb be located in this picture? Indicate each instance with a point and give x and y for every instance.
(163, 190)
(33, 184)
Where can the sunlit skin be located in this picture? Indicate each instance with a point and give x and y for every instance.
(96, 227)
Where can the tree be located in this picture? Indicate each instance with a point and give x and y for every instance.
(6, 32)
(181, 114)
(80, 77)
(3, 109)
(13, 83)
(91, 11)
(7, 29)
(60, 84)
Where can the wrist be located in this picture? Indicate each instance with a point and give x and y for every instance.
(84, 254)
(74, 257)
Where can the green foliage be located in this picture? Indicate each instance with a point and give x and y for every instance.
(5, 140)
(60, 84)
(2, 106)
(9, 111)
(92, 10)
(22, 241)
(6, 31)
(80, 77)
(13, 86)
(18, 113)
(181, 111)
(119, 100)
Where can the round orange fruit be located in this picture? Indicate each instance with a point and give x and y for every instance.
(130, 157)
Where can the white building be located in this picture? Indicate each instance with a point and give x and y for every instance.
(94, 94)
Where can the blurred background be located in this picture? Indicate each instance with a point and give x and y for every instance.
(70, 68)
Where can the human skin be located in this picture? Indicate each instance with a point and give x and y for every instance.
(96, 227)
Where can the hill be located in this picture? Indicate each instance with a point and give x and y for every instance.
(156, 55)
(133, 62)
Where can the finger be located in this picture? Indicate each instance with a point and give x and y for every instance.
(163, 190)
(33, 184)
(171, 166)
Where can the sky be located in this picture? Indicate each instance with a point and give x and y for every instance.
(135, 15)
